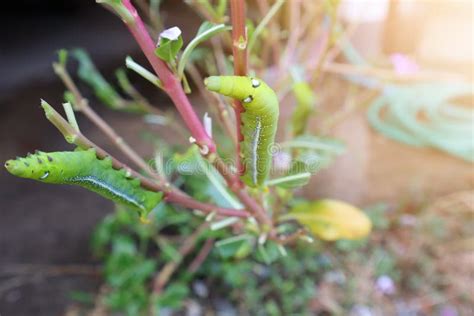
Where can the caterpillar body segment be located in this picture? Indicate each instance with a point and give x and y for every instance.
(259, 122)
(83, 168)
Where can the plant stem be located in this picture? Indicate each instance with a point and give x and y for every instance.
(259, 29)
(213, 99)
(239, 51)
(173, 88)
(291, 238)
(187, 246)
(234, 183)
(83, 106)
(201, 256)
(171, 194)
(183, 199)
(171, 83)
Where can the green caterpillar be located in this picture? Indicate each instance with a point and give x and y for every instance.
(83, 168)
(259, 122)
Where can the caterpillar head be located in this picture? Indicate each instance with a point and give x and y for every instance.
(49, 167)
(245, 89)
(35, 166)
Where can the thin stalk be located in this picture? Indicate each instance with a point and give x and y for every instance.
(173, 88)
(167, 271)
(83, 106)
(294, 34)
(171, 83)
(212, 100)
(259, 29)
(201, 256)
(234, 182)
(273, 42)
(239, 51)
(172, 195)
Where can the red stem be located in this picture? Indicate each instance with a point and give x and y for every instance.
(186, 201)
(171, 83)
(239, 51)
(201, 256)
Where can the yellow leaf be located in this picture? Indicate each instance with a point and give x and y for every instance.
(332, 219)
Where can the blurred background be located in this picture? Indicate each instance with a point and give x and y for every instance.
(45, 230)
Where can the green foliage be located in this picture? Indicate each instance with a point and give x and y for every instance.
(90, 75)
(132, 253)
(169, 45)
(295, 177)
(236, 247)
(206, 31)
(126, 271)
(172, 297)
(282, 288)
(305, 102)
(249, 264)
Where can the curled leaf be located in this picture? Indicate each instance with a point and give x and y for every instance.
(332, 219)
(170, 44)
(306, 100)
(88, 73)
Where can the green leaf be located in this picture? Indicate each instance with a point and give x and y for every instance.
(299, 172)
(306, 100)
(268, 252)
(332, 219)
(170, 44)
(168, 251)
(119, 8)
(173, 296)
(192, 164)
(90, 75)
(142, 71)
(319, 144)
(82, 297)
(205, 32)
(291, 181)
(235, 247)
(103, 234)
(62, 57)
(315, 152)
(221, 6)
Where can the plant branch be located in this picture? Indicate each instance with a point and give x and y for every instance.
(234, 184)
(239, 51)
(174, 89)
(291, 238)
(201, 256)
(212, 99)
(188, 245)
(83, 106)
(171, 83)
(172, 195)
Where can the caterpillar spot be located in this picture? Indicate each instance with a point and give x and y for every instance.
(259, 120)
(248, 99)
(45, 175)
(255, 83)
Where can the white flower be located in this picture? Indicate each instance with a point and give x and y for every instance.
(172, 33)
(385, 285)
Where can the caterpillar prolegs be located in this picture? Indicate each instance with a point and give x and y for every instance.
(259, 122)
(83, 168)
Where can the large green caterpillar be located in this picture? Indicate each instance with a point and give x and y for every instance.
(83, 168)
(259, 122)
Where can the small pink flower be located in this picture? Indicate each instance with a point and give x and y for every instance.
(403, 64)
